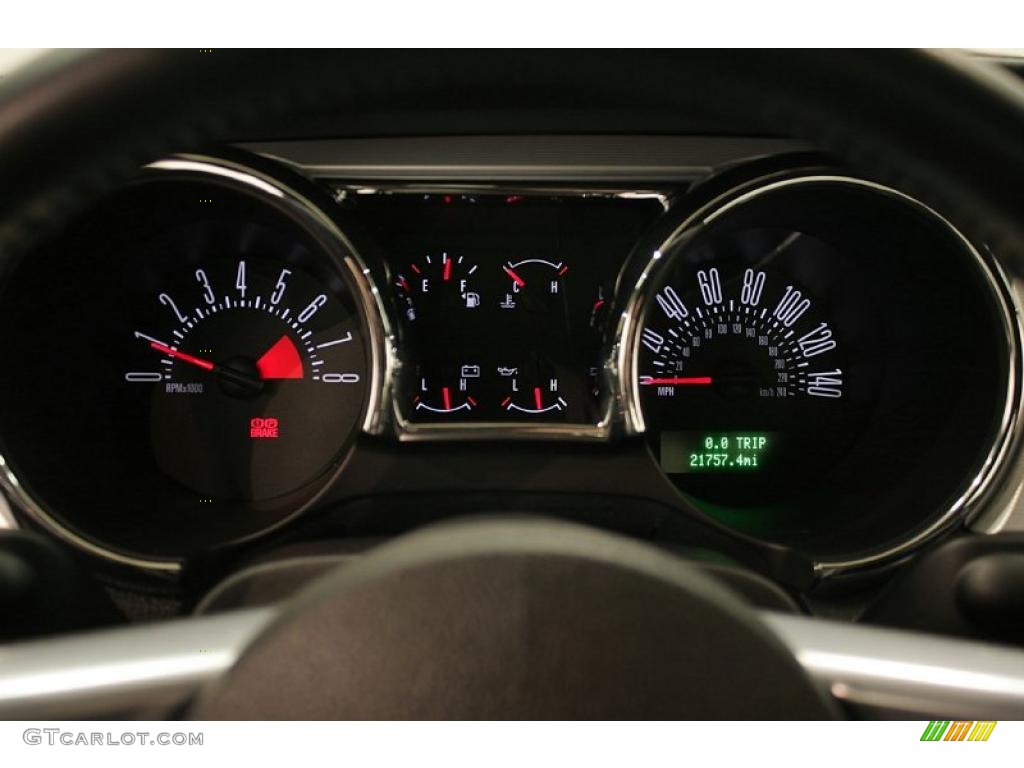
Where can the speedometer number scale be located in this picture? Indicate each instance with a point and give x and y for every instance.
(729, 362)
(740, 348)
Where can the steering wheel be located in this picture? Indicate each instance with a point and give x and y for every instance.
(519, 618)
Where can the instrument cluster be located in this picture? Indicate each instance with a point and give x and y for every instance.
(797, 358)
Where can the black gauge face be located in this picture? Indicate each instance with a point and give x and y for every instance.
(497, 339)
(532, 388)
(446, 390)
(824, 364)
(503, 300)
(534, 285)
(438, 284)
(256, 378)
(742, 370)
(214, 368)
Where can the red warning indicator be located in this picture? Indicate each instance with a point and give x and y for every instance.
(261, 429)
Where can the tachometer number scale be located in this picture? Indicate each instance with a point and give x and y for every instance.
(258, 379)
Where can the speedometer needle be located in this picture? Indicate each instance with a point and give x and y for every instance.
(676, 380)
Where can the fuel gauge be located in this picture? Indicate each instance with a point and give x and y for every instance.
(436, 285)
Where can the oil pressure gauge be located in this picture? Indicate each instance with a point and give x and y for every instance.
(532, 389)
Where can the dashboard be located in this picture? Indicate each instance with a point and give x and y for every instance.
(754, 352)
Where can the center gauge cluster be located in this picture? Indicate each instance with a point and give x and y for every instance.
(502, 302)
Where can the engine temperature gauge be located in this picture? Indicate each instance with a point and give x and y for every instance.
(533, 283)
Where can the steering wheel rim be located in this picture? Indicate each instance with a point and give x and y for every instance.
(515, 618)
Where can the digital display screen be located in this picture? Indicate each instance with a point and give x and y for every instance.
(503, 298)
(716, 452)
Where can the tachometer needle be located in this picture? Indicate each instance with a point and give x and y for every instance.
(515, 278)
(251, 383)
(648, 381)
(206, 365)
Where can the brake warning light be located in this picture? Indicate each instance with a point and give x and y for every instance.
(260, 428)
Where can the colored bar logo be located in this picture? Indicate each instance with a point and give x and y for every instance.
(958, 730)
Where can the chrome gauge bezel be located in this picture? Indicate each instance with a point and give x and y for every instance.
(379, 339)
(625, 354)
(599, 430)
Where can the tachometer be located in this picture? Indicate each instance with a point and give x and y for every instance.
(256, 374)
(217, 345)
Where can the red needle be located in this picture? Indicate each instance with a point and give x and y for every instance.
(206, 365)
(447, 398)
(447, 270)
(676, 380)
(281, 361)
(515, 278)
(538, 399)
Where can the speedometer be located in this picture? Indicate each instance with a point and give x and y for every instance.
(741, 368)
(821, 362)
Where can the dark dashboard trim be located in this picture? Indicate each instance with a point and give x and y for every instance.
(613, 160)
